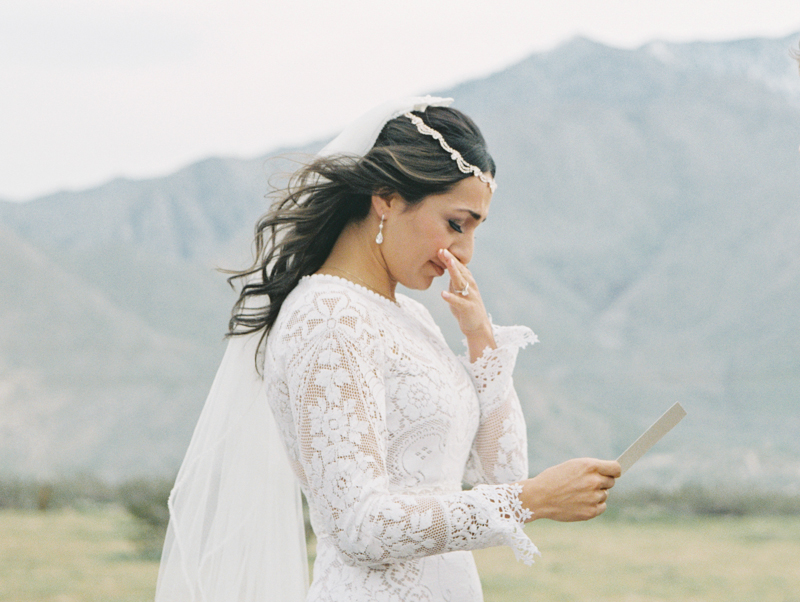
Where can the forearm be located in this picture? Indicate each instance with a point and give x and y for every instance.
(384, 528)
(501, 443)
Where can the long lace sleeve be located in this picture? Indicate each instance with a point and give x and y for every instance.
(500, 450)
(338, 402)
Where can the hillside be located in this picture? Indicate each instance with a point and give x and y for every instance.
(646, 225)
(86, 385)
(661, 261)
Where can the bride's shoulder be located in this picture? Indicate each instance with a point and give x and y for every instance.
(324, 298)
(416, 309)
(411, 305)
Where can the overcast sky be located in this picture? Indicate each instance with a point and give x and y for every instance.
(93, 89)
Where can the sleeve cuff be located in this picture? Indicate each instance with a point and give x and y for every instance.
(506, 500)
(491, 372)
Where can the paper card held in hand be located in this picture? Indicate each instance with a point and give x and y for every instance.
(651, 436)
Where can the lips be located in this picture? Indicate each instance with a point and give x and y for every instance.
(439, 269)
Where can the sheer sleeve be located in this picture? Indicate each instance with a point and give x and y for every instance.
(500, 450)
(334, 364)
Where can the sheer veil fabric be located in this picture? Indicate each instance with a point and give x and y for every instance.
(236, 524)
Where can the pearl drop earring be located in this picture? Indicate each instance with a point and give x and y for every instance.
(379, 238)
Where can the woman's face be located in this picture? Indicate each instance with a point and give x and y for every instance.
(413, 234)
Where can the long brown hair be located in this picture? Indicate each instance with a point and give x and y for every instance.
(296, 236)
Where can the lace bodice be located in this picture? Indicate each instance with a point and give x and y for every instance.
(382, 423)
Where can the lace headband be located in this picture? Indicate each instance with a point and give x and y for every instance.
(463, 166)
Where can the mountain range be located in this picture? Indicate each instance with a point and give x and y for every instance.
(646, 226)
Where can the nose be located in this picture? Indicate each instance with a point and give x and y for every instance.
(463, 248)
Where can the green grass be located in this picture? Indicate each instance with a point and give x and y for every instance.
(87, 556)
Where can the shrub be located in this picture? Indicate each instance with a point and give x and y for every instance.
(146, 501)
(697, 500)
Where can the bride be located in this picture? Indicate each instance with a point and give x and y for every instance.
(336, 382)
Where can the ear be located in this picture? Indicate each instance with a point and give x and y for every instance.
(382, 202)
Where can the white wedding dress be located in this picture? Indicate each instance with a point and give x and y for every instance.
(382, 424)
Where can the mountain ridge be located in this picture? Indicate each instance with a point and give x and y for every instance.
(646, 225)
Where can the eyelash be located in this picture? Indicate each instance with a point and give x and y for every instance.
(455, 226)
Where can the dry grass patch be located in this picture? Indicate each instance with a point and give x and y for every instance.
(70, 556)
(691, 559)
(87, 556)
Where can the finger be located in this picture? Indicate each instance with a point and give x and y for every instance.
(451, 297)
(607, 483)
(461, 280)
(455, 269)
(455, 300)
(609, 468)
(456, 279)
(449, 257)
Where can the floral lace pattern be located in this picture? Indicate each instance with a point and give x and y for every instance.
(382, 422)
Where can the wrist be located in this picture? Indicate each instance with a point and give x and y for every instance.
(484, 329)
(478, 340)
(529, 499)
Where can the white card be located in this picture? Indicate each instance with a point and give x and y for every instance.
(651, 436)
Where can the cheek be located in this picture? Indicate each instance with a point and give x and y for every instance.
(423, 236)
(434, 236)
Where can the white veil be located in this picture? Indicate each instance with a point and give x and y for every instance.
(236, 523)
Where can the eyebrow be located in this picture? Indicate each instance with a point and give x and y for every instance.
(476, 216)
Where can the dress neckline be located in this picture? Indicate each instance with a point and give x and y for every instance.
(360, 287)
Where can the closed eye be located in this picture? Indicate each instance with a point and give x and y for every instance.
(455, 225)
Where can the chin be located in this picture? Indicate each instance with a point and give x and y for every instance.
(423, 284)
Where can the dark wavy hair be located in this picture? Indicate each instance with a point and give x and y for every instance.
(296, 236)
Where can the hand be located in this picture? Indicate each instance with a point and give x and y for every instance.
(466, 304)
(572, 491)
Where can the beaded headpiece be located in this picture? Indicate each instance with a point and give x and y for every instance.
(463, 166)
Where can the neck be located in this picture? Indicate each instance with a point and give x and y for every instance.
(357, 257)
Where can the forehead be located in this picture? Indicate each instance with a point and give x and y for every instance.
(470, 194)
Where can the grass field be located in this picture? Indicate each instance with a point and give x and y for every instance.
(687, 559)
(70, 556)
